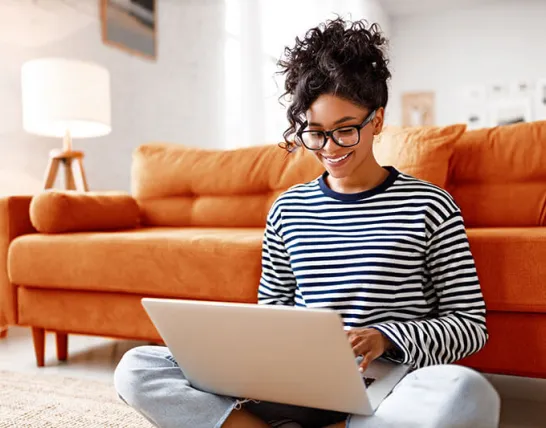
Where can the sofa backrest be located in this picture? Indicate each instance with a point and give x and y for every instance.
(178, 185)
(498, 176)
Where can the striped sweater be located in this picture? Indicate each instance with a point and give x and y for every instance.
(395, 258)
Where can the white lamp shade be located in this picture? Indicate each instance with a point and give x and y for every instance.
(61, 95)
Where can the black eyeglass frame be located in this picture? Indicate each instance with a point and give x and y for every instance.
(330, 134)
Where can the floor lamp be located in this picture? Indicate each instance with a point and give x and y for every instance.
(66, 99)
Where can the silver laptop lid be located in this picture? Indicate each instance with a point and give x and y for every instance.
(272, 353)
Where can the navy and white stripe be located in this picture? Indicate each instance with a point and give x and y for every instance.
(395, 258)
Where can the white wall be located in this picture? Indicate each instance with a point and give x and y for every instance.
(179, 98)
(267, 28)
(374, 12)
(443, 52)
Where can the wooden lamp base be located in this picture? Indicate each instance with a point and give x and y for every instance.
(74, 174)
(73, 170)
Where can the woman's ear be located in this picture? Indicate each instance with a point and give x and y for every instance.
(378, 120)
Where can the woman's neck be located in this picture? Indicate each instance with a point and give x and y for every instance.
(368, 176)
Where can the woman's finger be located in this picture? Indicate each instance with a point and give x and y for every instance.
(355, 340)
(362, 347)
(366, 360)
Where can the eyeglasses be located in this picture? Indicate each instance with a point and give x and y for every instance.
(345, 136)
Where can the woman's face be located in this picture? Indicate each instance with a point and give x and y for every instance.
(330, 112)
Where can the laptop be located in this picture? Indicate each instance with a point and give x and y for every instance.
(280, 354)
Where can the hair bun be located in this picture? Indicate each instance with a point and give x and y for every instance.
(340, 57)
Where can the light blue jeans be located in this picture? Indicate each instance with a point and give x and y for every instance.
(447, 396)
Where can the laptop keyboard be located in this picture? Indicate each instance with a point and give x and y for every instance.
(368, 381)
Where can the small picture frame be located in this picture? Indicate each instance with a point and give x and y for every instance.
(418, 109)
(130, 25)
(498, 90)
(521, 89)
(508, 112)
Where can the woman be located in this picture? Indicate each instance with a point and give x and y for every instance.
(386, 251)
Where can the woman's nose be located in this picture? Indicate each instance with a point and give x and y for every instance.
(330, 144)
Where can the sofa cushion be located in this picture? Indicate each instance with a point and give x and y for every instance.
(498, 176)
(511, 268)
(201, 263)
(177, 185)
(185, 263)
(423, 152)
(162, 170)
(207, 211)
(504, 154)
(59, 211)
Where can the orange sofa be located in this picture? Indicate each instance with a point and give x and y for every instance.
(202, 219)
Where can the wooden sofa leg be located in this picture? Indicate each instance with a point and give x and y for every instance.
(3, 332)
(62, 346)
(38, 337)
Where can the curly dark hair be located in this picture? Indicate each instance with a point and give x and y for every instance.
(338, 57)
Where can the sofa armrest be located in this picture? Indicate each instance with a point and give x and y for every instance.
(14, 222)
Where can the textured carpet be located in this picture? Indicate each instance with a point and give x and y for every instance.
(45, 401)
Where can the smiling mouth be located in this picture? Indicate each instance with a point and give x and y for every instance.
(335, 161)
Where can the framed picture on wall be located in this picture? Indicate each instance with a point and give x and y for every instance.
(418, 109)
(507, 112)
(498, 91)
(130, 25)
(521, 89)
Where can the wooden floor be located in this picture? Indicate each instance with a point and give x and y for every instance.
(523, 399)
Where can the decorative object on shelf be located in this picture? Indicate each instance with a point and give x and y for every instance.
(66, 98)
(418, 109)
(130, 25)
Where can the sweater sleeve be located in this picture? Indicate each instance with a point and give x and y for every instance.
(277, 283)
(457, 327)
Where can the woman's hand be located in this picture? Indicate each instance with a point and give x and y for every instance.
(369, 343)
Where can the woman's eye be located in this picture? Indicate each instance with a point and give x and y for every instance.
(345, 131)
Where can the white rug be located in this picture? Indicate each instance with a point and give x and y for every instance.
(46, 401)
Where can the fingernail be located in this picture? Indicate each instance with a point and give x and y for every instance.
(361, 370)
